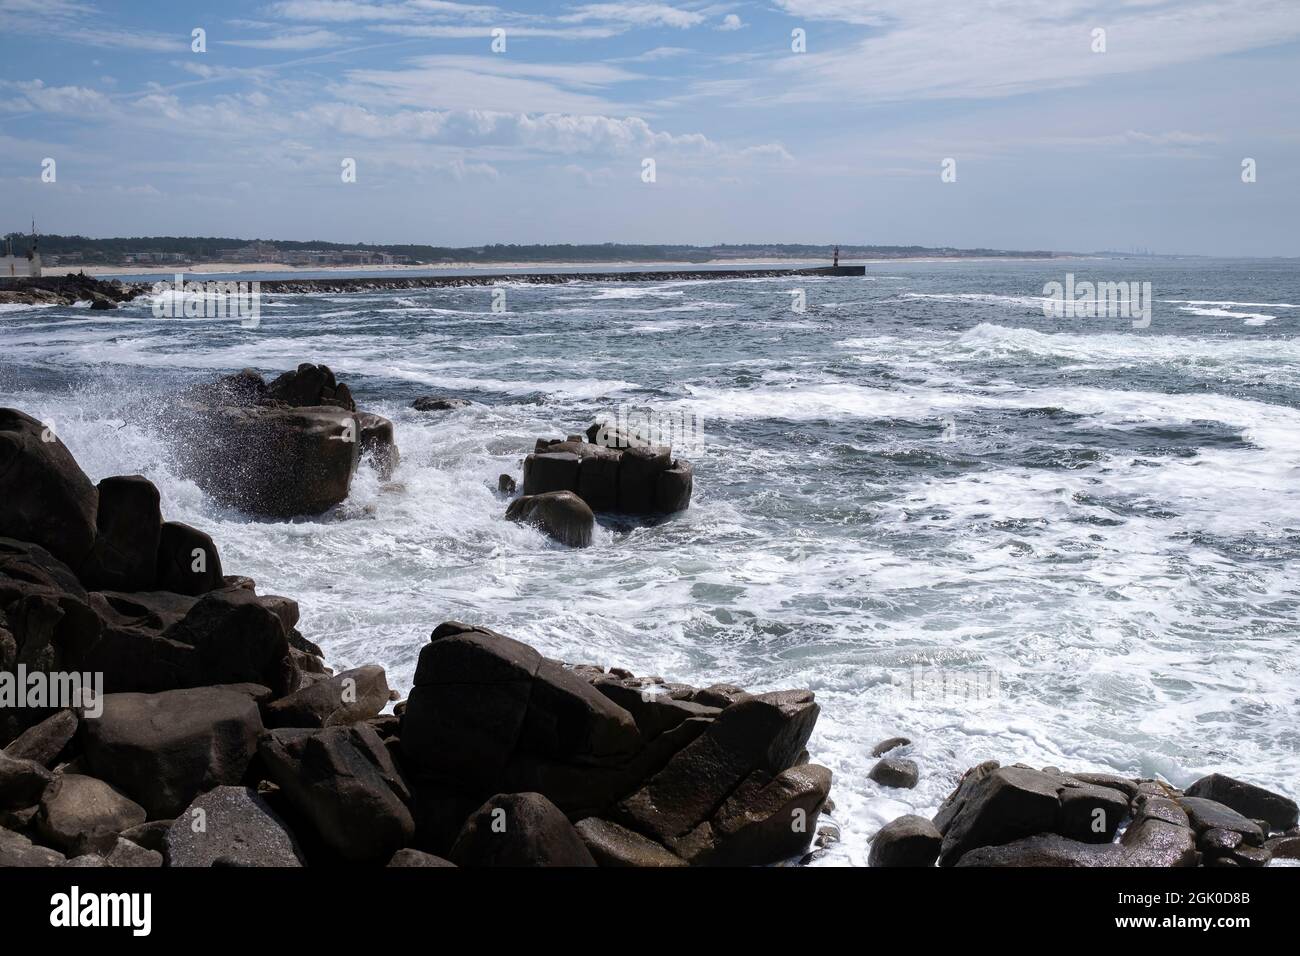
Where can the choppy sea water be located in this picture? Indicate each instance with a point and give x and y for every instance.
(1090, 530)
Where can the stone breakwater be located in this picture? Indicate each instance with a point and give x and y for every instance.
(221, 738)
(68, 290)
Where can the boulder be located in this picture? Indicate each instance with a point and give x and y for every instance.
(1045, 849)
(907, 841)
(654, 713)
(506, 485)
(1151, 842)
(598, 478)
(1005, 805)
(81, 814)
(549, 472)
(16, 850)
(272, 461)
(409, 857)
(237, 639)
(45, 742)
(343, 781)
(151, 834)
(613, 845)
(165, 749)
(438, 403)
(129, 533)
(232, 825)
(187, 560)
(895, 772)
(1250, 801)
(561, 515)
(346, 698)
(21, 782)
(519, 829)
(128, 853)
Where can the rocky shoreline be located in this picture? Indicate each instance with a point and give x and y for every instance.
(107, 293)
(217, 735)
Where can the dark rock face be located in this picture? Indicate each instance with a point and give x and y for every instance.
(907, 841)
(438, 403)
(129, 529)
(559, 514)
(230, 826)
(885, 746)
(1207, 814)
(309, 386)
(165, 749)
(343, 781)
(187, 562)
(47, 498)
(519, 829)
(1256, 803)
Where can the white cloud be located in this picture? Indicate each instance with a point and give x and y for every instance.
(731, 22)
(637, 14)
(297, 40)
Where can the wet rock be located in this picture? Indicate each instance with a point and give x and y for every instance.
(342, 780)
(719, 695)
(638, 477)
(654, 713)
(895, 772)
(907, 841)
(1250, 801)
(232, 824)
(48, 500)
(1091, 814)
(45, 742)
(1284, 847)
(519, 829)
(79, 812)
(1152, 842)
(129, 529)
(598, 478)
(310, 386)
(438, 403)
(346, 698)
(188, 562)
(1126, 786)
(1047, 849)
(1004, 805)
(765, 820)
(506, 485)
(614, 845)
(164, 749)
(1209, 814)
(673, 487)
(885, 746)
(561, 515)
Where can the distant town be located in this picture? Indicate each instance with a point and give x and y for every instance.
(58, 251)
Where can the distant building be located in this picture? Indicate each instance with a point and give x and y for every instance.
(13, 265)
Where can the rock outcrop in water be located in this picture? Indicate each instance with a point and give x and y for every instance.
(1021, 817)
(609, 471)
(214, 702)
(281, 449)
(68, 290)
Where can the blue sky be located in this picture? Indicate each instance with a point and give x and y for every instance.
(1056, 145)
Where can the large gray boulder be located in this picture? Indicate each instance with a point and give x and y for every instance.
(80, 814)
(165, 749)
(561, 515)
(1256, 803)
(908, 841)
(1007, 804)
(346, 698)
(230, 826)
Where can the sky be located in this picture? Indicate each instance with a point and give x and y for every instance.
(1012, 124)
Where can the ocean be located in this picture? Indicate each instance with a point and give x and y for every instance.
(1064, 541)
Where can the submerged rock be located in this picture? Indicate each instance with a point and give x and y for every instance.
(559, 514)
